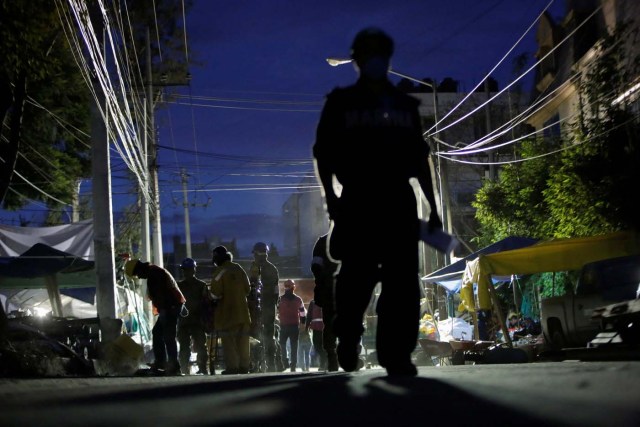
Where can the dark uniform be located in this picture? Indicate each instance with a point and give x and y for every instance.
(192, 326)
(264, 271)
(167, 299)
(370, 139)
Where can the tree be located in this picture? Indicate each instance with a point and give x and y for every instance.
(45, 108)
(586, 188)
(514, 205)
(589, 187)
(590, 192)
(45, 99)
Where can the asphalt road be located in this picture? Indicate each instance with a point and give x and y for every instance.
(566, 393)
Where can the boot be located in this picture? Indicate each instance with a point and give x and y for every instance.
(332, 362)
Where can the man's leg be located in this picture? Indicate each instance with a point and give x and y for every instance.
(200, 346)
(329, 338)
(169, 335)
(230, 346)
(398, 315)
(354, 285)
(159, 349)
(284, 335)
(320, 351)
(269, 318)
(184, 339)
(244, 350)
(295, 334)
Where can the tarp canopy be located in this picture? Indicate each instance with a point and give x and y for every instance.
(450, 277)
(24, 278)
(549, 256)
(75, 238)
(39, 261)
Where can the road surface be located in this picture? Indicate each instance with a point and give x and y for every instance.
(569, 393)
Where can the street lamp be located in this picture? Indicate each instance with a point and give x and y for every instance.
(334, 62)
(444, 200)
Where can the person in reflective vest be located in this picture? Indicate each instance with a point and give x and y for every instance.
(292, 316)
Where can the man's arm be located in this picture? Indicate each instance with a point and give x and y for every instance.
(325, 175)
(426, 184)
(326, 133)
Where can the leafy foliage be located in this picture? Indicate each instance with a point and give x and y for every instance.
(514, 204)
(587, 185)
(54, 146)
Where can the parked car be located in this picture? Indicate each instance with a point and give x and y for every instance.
(567, 320)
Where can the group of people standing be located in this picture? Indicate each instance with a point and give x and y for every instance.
(368, 123)
(189, 309)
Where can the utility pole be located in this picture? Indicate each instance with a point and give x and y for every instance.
(153, 168)
(103, 238)
(442, 174)
(185, 204)
(145, 241)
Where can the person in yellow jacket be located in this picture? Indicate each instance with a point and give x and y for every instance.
(232, 321)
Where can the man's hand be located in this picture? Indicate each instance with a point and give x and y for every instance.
(333, 207)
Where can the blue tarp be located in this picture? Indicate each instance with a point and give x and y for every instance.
(450, 277)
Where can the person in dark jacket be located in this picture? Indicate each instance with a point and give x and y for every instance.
(168, 301)
(373, 124)
(191, 327)
(265, 273)
(324, 270)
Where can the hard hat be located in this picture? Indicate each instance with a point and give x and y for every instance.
(370, 41)
(188, 263)
(220, 250)
(130, 266)
(261, 247)
(289, 284)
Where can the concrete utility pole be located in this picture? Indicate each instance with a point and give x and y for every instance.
(145, 238)
(153, 169)
(185, 204)
(103, 239)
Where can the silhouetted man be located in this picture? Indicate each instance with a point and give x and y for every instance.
(369, 139)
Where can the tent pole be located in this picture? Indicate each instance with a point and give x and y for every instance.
(496, 307)
(54, 295)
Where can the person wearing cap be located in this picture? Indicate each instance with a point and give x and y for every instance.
(191, 328)
(168, 301)
(292, 316)
(264, 271)
(230, 286)
(373, 124)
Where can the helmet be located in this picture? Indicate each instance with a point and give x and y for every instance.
(289, 284)
(370, 41)
(261, 247)
(220, 250)
(188, 263)
(130, 266)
